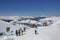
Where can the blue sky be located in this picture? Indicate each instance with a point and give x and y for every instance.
(30, 7)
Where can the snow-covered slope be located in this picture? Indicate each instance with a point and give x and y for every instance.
(51, 32)
(44, 33)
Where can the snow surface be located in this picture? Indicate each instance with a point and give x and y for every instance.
(51, 32)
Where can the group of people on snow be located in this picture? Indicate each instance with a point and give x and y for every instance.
(20, 31)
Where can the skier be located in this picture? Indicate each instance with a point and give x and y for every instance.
(35, 31)
(24, 29)
(16, 32)
(22, 32)
(19, 32)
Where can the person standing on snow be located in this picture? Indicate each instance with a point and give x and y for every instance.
(35, 31)
(19, 32)
(22, 32)
(24, 29)
(16, 32)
